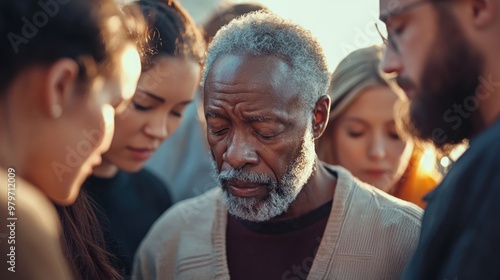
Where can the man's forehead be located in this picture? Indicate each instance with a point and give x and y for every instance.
(234, 70)
(390, 8)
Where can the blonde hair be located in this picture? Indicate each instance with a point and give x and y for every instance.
(356, 72)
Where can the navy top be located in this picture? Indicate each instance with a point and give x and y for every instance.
(460, 234)
(126, 206)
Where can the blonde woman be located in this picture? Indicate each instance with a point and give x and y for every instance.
(362, 136)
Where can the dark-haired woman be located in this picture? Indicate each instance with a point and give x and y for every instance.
(129, 198)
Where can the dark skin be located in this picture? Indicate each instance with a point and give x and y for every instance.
(255, 122)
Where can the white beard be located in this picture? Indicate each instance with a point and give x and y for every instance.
(281, 194)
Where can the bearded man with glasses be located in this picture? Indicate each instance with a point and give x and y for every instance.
(446, 55)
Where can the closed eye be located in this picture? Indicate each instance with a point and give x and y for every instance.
(399, 30)
(178, 111)
(140, 107)
(266, 136)
(394, 136)
(218, 132)
(354, 134)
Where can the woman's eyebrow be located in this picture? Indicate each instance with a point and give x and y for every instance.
(155, 97)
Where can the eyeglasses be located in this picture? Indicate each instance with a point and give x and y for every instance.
(389, 41)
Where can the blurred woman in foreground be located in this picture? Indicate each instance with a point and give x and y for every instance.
(64, 69)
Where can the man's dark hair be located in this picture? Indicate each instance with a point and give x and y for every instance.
(221, 18)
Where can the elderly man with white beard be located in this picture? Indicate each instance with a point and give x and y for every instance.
(279, 212)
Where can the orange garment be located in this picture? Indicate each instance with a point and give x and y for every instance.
(417, 181)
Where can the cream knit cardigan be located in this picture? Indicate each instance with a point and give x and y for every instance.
(369, 235)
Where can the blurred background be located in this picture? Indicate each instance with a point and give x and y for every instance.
(340, 26)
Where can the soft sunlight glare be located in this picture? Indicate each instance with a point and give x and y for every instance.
(132, 67)
(445, 162)
(340, 26)
(458, 151)
(108, 113)
(428, 160)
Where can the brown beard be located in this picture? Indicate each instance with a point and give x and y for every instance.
(441, 112)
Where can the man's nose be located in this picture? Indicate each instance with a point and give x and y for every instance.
(240, 151)
(391, 62)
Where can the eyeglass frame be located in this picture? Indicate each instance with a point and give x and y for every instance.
(389, 42)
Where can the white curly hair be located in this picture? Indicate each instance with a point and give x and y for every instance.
(264, 33)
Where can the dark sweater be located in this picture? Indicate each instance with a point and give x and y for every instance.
(126, 206)
(274, 250)
(461, 228)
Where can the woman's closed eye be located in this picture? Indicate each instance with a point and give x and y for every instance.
(176, 114)
(355, 128)
(355, 133)
(140, 107)
(393, 135)
(178, 111)
(145, 101)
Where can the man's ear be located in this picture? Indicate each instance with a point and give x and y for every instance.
(321, 115)
(60, 82)
(484, 12)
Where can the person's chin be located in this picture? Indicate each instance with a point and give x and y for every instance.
(132, 167)
(381, 184)
(69, 196)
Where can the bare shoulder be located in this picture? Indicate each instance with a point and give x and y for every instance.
(33, 233)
